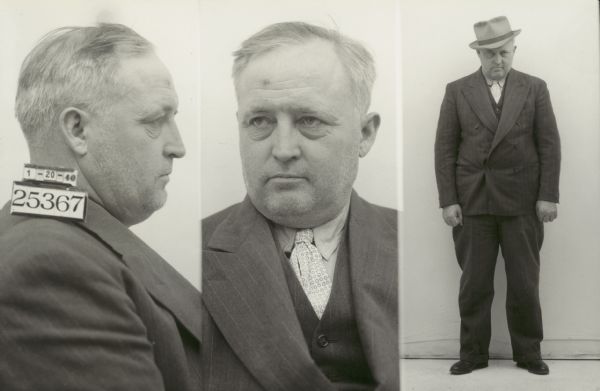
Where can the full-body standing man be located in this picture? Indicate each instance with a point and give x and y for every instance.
(497, 163)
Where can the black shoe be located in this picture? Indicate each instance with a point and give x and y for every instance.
(463, 366)
(535, 366)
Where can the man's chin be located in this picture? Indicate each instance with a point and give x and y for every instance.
(286, 208)
(497, 74)
(157, 202)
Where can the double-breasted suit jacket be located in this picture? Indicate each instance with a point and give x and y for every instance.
(491, 165)
(252, 339)
(88, 306)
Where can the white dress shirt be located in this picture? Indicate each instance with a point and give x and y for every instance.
(327, 238)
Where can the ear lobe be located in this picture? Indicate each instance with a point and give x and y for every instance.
(73, 122)
(368, 133)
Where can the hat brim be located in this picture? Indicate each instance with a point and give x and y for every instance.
(493, 45)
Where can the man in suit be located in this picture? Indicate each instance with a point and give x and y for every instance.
(497, 162)
(86, 305)
(300, 278)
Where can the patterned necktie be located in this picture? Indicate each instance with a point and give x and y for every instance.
(309, 266)
(496, 90)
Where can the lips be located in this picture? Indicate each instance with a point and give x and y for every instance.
(285, 180)
(282, 176)
(165, 177)
(167, 172)
(286, 176)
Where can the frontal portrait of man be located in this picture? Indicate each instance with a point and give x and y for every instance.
(497, 165)
(84, 303)
(300, 278)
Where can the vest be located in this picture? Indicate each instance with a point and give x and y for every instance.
(497, 107)
(333, 341)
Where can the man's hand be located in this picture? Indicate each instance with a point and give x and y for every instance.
(546, 211)
(452, 215)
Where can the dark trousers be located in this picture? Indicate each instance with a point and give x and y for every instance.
(476, 243)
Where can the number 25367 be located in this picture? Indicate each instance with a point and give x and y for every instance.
(43, 201)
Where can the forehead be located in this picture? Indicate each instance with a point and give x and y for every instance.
(310, 70)
(145, 79)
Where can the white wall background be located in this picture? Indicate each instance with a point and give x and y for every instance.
(559, 43)
(172, 26)
(226, 23)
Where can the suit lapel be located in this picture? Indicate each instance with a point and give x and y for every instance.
(373, 245)
(159, 278)
(245, 291)
(514, 99)
(476, 94)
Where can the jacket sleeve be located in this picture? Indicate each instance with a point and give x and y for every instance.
(548, 146)
(447, 141)
(66, 320)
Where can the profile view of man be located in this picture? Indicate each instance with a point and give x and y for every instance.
(86, 305)
(300, 278)
(497, 163)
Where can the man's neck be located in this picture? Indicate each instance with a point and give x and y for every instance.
(326, 235)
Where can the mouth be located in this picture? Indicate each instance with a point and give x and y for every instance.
(285, 178)
(165, 177)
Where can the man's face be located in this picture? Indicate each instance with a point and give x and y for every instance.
(132, 143)
(496, 63)
(300, 132)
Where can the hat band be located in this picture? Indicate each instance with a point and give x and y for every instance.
(496, 39)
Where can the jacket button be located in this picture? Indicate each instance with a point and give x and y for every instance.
(322, 341)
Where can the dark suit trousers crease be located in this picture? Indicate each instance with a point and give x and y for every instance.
(476, 243)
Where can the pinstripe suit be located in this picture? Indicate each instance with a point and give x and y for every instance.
(496, 167)
(491, 165)
(252, 339)
(88, 306)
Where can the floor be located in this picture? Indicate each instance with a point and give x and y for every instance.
(500, 375)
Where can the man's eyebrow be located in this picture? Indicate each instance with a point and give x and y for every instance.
(288, 107)
(295, 109)
(151, 109)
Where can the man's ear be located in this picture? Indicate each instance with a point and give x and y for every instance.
(368, 133)
(73, 124)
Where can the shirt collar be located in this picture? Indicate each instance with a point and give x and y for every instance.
(489, 82)
(326, 236)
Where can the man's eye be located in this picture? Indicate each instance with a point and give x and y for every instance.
(309, 122)
(154, 126)
(261, 122)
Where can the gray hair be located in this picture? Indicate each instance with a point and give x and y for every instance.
(71, 66)
(355, 58)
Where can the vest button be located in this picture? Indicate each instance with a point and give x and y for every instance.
(333, 376)
(322, 341)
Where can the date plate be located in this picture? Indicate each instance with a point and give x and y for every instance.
(62, 176)
(48, 201)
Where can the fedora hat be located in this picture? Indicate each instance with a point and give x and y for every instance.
(493, 33)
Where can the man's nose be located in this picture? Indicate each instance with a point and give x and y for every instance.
(285, 141)
(497, 59)
(173, 143)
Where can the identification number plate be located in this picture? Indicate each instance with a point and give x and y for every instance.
(63, 176)
(44, 201)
